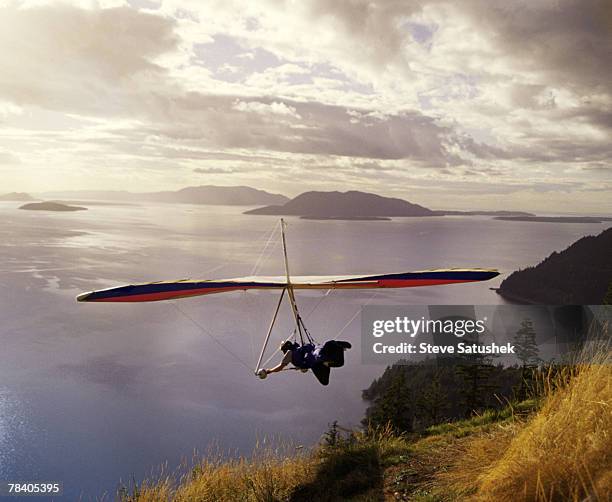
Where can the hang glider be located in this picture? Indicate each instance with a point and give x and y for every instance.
(168, 290)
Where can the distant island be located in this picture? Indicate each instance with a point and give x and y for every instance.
(16, 196)
(362, 206)
(347, 218)
(351, 205)
(92, 203)
(205, 194)
(501, 214)
(51, 206)
(344, 205)
(555, 219)
(581, 274)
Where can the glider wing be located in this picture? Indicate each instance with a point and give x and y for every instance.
(168, 290)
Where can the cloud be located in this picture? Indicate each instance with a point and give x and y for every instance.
(71, 59)
(109, 67)
(599, 168)
(480, 62)
(212, 170)
(8, 158)
(306, 128)
(275, 108)
(567, 40)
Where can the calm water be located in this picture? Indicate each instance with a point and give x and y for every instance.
(94, 393)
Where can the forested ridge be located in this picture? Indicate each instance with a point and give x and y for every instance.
(581, 274)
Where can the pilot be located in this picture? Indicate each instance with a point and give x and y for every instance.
(318, 358)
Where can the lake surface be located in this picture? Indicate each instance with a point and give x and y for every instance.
(94, 393)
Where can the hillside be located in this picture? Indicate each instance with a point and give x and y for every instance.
(338, 205)
(16, 196)
(217, 195)
(424, 394)
(581, 274)
(554, 446)
(205, 194)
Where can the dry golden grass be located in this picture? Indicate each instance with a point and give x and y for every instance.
(565, 451)
(562, 452)
(267, 479)
(354, 465)
(269, 475)
(471, 459)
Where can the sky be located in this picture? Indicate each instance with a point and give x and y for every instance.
(474, 104)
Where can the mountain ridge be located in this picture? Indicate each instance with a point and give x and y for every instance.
(580, 274)
(17, 197)
(240, 195)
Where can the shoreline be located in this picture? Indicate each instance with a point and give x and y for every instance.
(520, 300)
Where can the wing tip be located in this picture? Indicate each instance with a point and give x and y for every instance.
(83, 297)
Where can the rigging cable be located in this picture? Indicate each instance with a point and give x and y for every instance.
(261, 255)
(207, 332)
(327, 293)
(342, 330)
(357, 313)
(261, 260)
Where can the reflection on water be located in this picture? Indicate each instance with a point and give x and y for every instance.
(15, 430)
(91, 393)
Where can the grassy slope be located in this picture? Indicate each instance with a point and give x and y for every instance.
(563, 451)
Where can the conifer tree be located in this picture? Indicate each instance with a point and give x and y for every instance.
(393, 406)
(433, 401)
(477, 387)
(527, 352)
(525, 344)
(607, 300)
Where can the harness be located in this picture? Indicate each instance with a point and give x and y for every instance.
(302, 356)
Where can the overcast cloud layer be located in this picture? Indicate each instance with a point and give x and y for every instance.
(472, 104)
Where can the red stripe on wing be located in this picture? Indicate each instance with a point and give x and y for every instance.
(166, 295)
